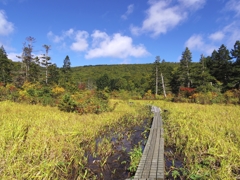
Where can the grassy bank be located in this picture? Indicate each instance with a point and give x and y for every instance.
(207, 136)
(43, 143)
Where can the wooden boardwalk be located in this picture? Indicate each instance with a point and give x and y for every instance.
(151, 166)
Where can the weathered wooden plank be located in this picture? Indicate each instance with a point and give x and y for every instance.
(151, 166)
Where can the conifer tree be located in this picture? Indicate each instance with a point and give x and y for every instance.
(53, 73)
(66, 71)
(185, 65)
(222, 66)
(235, 78)
(5, 67)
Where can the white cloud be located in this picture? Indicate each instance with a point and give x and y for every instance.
(68, 33)
(5, 26)
(232, 32)
(13, 56)
(97, 37)
(102, 45)
(196, 42)
(160, 18)
(54, 38)
(80, 43)
(128, 12)
(228, 35)
(57, 39)
(78, 39)
(233, 5)
(117, 46)
(217, 36)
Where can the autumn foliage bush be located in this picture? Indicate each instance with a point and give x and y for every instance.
(186, 91)
(85, 102)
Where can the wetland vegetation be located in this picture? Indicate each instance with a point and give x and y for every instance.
(91, 122)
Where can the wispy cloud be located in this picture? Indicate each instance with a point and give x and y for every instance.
(217, 36)
(232, 33)
(62, 37)
(192, 4)
(129, 11)
(6, 27)
(196, 42)
(162, 16)
(228, 35)
(233, 5)
(117, 46)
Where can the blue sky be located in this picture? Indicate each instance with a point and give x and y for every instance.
(94, 32)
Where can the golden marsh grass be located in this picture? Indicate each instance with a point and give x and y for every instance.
(44, 143)
(207, 135)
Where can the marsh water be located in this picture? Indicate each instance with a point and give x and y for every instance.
(116, 165)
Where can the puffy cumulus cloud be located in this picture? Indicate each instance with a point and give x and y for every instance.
(80, 43)
(78, 39)
(97, 37)
(5, 27)
(196, 42)
(117, 46)
(217, 36)
(161, 17)
(233, 5)
(128, 12)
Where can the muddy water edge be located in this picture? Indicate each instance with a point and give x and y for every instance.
(115, 165)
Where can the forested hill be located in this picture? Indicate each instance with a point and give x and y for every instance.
(219, 72)
(134, 72)
(139, 77)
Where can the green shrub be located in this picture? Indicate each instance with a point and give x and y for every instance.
(67, 104)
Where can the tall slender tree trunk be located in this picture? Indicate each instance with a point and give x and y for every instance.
(46, 75)
(163, 86)
(156, 81)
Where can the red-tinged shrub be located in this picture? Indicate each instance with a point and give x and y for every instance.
(82, 86)
(186, 91)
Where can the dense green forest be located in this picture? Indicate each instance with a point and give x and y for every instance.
(214, 79)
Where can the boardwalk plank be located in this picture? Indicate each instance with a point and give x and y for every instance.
(151, 166)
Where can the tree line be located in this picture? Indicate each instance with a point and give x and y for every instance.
(219, 72)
